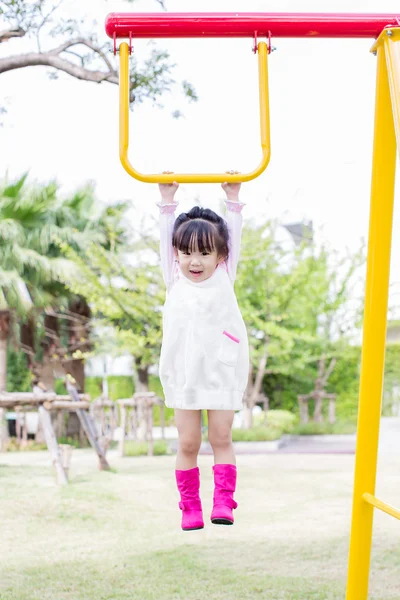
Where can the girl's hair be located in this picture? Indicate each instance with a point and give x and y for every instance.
(202, 229)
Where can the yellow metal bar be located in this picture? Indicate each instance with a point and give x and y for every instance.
(193, 177)
(373, 350)
(390, 510)
(392, 51)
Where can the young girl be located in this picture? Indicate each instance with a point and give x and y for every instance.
(204, 361)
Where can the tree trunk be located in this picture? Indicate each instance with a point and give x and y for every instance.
(43, 371)
(78, 373)
(318, 418)
(47, 373)
(303, 408)
(319, 392)
(259, 378)
(143, 378)
(254, 391)
(79, 329)
(51, 347)
(78, 334)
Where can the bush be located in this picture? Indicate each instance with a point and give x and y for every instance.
(119, 386)
(60, 388)
(346, 405)
(338, 428)
(282, 419)
(30, 445)
(257, 434)
(74, 442)
(19, 378)
(133, 448)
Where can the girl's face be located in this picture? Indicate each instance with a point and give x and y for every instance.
(198, 266)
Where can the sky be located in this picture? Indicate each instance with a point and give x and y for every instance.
(321, 104)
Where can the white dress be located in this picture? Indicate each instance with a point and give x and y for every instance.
(204, 361)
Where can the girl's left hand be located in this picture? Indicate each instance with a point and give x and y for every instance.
(231, 189)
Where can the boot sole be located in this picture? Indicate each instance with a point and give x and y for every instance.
(192, 528)
(221, 522)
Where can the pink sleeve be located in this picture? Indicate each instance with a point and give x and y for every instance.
(166, 221)
(234, 221)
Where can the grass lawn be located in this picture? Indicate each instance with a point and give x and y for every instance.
(117, 535)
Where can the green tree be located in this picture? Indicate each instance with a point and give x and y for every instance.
(127, 298)
(71, 46)
(34, 221)
(292, 300)
(67, 332)
(26, 267)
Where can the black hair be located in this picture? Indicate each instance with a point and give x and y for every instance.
(202, 229)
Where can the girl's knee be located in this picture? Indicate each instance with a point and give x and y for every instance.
(220, 438)
(189, 446)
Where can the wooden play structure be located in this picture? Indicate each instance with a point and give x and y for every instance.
(104, 413)
(137, 412)
(45, 404)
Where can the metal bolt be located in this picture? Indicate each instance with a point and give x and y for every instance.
(273, 48)
(389, 32)
(374, 52)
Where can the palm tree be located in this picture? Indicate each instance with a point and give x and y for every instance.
(30, 271)
(107, 223)
(35, 224)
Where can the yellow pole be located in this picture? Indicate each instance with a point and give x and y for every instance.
(373, 350)
(392, 48)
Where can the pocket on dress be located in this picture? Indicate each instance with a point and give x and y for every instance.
(229, 349)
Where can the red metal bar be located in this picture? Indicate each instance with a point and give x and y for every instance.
(185, 25)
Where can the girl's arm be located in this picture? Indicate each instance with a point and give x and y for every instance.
(234, 221)
(167, 219)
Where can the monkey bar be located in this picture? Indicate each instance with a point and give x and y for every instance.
(193, 177)
(386, 28)
(253, 25)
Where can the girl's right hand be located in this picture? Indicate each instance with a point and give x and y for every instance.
(167, 190)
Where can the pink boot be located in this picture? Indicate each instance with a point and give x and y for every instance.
(225, 485)
(188, 483)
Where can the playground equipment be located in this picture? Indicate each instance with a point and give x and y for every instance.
(137, 410)
(47, 402)
(104, 413)
(385, 28)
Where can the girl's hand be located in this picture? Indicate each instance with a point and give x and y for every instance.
(232, 189)
(167, 190)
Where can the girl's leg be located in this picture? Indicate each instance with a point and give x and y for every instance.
(188, 423)
(187, 473)
(224, 469)
(220, 435)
